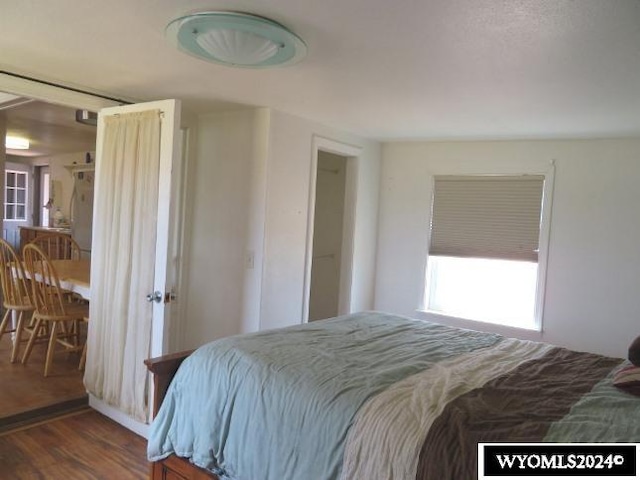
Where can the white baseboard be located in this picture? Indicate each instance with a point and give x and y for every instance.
(116, 415)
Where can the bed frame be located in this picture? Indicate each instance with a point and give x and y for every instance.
(173, 467)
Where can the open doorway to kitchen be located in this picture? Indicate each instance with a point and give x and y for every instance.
(39, 185)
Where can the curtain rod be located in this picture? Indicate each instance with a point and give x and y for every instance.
(72, 89)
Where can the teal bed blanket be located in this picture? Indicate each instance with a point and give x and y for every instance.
(351, 397)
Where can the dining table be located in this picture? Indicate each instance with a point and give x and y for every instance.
(74, 276)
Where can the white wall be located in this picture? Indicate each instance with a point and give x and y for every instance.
(287, 210)
(247, 209)
(223, 190)
(593, 277)
(254, 245)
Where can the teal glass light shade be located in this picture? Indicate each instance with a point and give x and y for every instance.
(236, 39)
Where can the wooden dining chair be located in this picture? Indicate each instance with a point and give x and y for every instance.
(16, 297)
(52, 306)
(58, 246)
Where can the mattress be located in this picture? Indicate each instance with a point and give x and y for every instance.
(373, 395)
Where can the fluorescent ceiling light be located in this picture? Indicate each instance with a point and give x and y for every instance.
(86, 117)
(16, 143)
(236, 39)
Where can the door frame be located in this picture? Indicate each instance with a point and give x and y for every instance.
(352, 154)
(53, 94)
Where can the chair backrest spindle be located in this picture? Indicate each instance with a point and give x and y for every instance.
(15, 288)
(58, 246)
(46, 292)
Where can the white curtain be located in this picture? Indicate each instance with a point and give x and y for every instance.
(122, 261)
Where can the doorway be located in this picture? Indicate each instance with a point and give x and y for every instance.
(41, 195)
(167, 256)
(38, 176)
(324, 294)
(330, 230)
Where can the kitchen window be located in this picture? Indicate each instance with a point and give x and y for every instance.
(15, 195)
(484, 260)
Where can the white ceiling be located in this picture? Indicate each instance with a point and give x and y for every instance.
(402, 69)
(50, 129)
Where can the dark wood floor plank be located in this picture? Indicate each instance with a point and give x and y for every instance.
(82, 446)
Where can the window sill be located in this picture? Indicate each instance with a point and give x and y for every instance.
(534, 333)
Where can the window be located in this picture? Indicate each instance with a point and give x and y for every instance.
(15, 195)
(483, 254)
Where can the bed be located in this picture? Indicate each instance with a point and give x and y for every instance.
(373, 395)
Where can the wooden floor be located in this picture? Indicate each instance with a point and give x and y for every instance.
(23, 387)
(80, 446)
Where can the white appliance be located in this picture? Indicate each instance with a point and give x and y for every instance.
(82, 206)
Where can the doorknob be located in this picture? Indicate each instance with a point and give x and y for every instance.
(155, 297)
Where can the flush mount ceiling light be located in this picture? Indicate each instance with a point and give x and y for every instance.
(16, 143)
(236, 39)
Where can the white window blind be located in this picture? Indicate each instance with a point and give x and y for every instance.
(487, 216)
